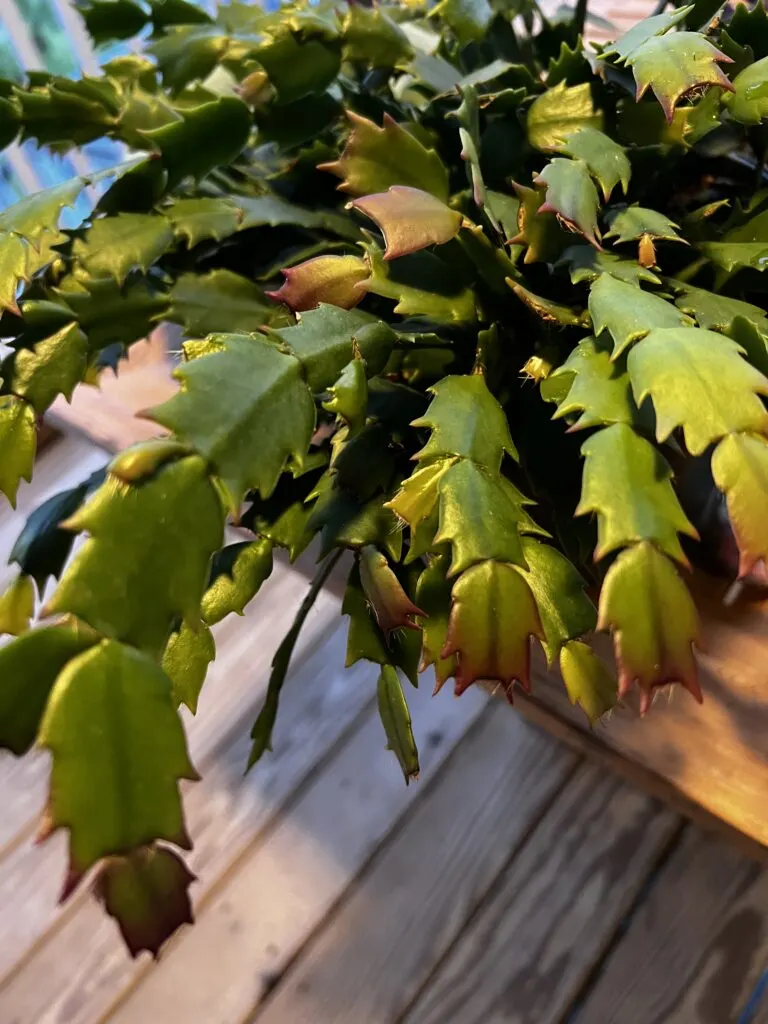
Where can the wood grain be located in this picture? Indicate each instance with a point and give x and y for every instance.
(695, 948)
(379, 948)
(290, 878)
(526, 954)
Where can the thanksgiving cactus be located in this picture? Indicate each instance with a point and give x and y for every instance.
(460, 295)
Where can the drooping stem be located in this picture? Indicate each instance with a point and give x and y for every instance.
(262, 729)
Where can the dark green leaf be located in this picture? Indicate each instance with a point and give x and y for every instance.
(396, 719)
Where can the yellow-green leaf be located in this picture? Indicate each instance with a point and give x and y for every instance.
(375, 158)
(740, 469)
(558, 113)
(18, 443)
(651, 614)
(627, 483)
(145, 563)
(118, 752)
(587, 679)
(699, 381)
(17, 605)
(186, 658)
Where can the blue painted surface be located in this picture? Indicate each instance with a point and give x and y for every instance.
(748, 1013)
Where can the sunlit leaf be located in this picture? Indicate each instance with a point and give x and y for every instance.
(116, 743)
(409, 219)
(483, 597)
(740, 469)
(145, 563)
(375, 158)
(627, 483)
(649, 610)
(699, 381)
(559, 112)
(329, 279)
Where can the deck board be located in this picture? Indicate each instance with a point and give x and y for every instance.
(695, 948)
(398, 922)
(526, 955)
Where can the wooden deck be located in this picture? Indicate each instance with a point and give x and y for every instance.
(515, 882)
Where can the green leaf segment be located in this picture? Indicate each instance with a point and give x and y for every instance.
(475, 324)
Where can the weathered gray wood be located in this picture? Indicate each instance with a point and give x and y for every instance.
(400, 919)
(695, 947)
(528, 951)
(288, 880)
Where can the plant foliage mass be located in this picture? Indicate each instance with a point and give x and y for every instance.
(464, 298)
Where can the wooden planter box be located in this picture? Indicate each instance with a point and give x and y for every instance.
(709, 760)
